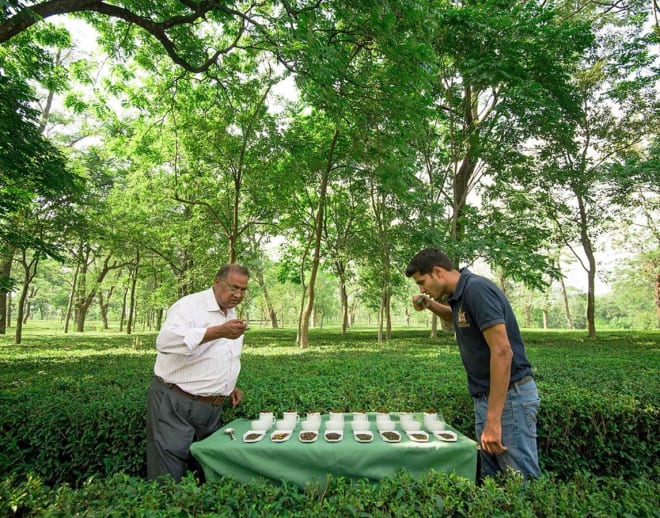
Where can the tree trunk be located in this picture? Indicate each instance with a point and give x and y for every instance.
(343, 297)
(83, 299)
(657, 296)
(72, 294)
(303, 297)
(132, 309)
(233, 232)
(381, 311)
(351, 314)
(9, 299)
(318, 232)
(545, 318)
(122, 318)
(19, 317)
(301, 312)
(79, 300)
(591, 299)
(81, 315)
(587, 246)
(502, 280)
(159, 318)
(345, 322)
(388, 315)
(28, 307)
(103, 308)
(29, 271)
(5, 273)
(564, 294)
(259, 275)
(462, 178)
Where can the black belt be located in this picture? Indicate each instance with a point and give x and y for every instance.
(513, 384)
(213, 400)
(521, 381)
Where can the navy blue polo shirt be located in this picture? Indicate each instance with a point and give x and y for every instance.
(476, 304)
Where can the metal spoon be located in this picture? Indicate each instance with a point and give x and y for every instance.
(230, 431)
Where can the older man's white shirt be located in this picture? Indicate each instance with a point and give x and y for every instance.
(208, 369)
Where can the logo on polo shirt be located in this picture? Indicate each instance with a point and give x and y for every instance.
(462, 319)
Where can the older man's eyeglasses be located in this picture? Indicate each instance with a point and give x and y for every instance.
(234, 290)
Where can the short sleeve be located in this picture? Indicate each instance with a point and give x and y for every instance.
(485, 302)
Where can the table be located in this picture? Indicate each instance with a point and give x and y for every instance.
(302, 463)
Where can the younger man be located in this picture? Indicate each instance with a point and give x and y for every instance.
(499, 374)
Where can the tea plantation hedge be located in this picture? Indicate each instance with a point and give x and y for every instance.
(72, 410)
(433, 494)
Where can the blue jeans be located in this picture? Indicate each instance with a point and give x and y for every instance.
(518, 432)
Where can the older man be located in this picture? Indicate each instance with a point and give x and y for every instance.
(197, 366)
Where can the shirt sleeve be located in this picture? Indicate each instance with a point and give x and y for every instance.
(179, 334)
(485, 304)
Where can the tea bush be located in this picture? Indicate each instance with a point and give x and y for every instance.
(433, 494)
(72, 407)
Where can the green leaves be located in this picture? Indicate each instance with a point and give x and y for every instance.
(73, 406)
(33, 172)
(72, 426)
(454, 120)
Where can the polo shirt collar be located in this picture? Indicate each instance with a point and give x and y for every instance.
(460, 285)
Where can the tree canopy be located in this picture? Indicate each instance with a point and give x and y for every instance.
(498, 131)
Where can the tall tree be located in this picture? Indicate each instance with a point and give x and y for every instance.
(314, 145)
(345, 218)
(229, 165)
(318, 234)
(31, 166)
(360, 72)
(637, 187)
(37, 226)
(619, 112)
(501, 77)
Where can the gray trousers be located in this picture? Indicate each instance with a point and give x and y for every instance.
(174, 422)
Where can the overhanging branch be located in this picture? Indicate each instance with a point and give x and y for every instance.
(27, 17)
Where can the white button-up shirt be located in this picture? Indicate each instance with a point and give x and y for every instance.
(208, 369)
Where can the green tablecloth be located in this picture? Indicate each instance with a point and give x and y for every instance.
(301, 463)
